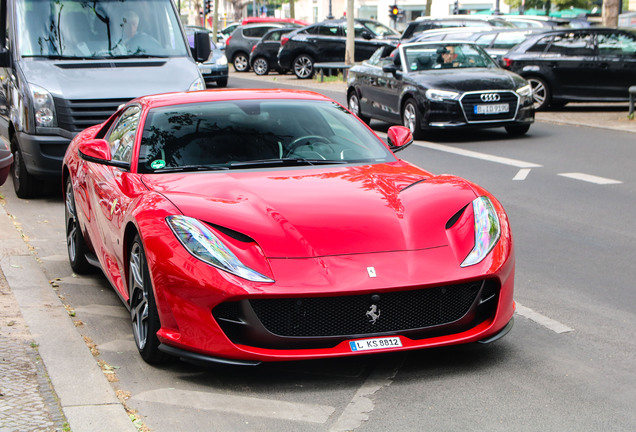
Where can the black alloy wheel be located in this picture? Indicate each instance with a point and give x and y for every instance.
(260, 66)
(241, 62)
(540, 93)
(143, 309)
(353, 102)
(303, 66)
(75, 243)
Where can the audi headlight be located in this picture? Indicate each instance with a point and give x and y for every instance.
(487, 231)
(197, 84)
(525, 91)
(43, 107)
(441, 95)
(206, 246)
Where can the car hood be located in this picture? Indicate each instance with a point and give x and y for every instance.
(321, 212)
(473, 79)
(117, 78)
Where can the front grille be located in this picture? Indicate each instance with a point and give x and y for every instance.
(77, 114)
(347, 315)
(318, 322)
(470, 100)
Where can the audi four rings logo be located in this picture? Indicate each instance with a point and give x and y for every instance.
(490, 97)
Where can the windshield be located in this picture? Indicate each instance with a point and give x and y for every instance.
(253, 134)
(380, 29)
(448, 55)
(98, 29)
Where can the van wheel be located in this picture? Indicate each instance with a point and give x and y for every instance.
(540, 93)
(24, 184)
(241, 62)
(303, 66)
(222, 83)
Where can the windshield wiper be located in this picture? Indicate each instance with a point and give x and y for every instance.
(191, 168)
(284, 162)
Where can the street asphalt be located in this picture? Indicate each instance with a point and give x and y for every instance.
(49, 380)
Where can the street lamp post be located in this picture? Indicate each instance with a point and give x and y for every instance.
(330, 16)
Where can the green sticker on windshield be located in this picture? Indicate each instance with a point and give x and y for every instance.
(158, 164)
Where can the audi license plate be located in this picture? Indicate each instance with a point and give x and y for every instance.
(375, 343)
(491, 109)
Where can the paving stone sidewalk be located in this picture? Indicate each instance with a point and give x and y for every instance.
(27, 400)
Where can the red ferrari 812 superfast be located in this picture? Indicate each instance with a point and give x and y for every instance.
(242, 226)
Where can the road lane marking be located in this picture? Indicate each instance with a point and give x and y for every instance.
(248, 406)
(590, 178)
(477, 155)
(358, 410)
(522, 174)
(543, 320)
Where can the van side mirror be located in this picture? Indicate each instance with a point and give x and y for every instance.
(201, 51)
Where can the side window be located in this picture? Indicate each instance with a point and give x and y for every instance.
(507, 40)
(122, 137)
(541, 45)
(328, 30)
(573, 44)
(485, 40)
(616, 44)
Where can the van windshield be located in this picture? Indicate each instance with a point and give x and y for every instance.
(98, 29)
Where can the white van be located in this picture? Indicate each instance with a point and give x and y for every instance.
(68, 64)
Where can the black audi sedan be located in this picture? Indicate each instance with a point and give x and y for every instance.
(440, 85)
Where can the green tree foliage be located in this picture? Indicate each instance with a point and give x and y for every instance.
(551, 4)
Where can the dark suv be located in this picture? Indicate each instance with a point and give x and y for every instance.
(263, 57)
(239, 45)
(326, 42)
(583, 65)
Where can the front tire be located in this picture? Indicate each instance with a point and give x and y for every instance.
(411, 118)
(25, 185)
(260, 66)
(517, 130)
(541, 94)
(143, 309)
(354, 106)
(222, 83)
(241, 62)
(303, 66)
(75, 243)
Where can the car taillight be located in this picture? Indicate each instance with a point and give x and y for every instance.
(283, 40)
(507, 63)
(227, 42)
(253, 48)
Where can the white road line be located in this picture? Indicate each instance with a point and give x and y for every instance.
(522, 174)
(242, 405)
(477, 155)
(543, 320)
(590, 178)
(361, 405)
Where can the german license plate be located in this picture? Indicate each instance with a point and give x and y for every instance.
(491, 109)
(375, 343)
(205, 69)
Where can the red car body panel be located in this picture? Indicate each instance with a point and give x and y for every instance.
(315, 231)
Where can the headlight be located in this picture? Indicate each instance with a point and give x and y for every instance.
(525, 91)
(43, 107)
(487, 231)
(197, 85)
(221, 61)
(441, 95)
(204, 245)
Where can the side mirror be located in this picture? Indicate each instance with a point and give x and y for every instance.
(399, 138)
(367, 35)
(98, 151)
(390, 68)
(201, 51)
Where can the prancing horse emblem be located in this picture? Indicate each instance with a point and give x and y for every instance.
(373, 313)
